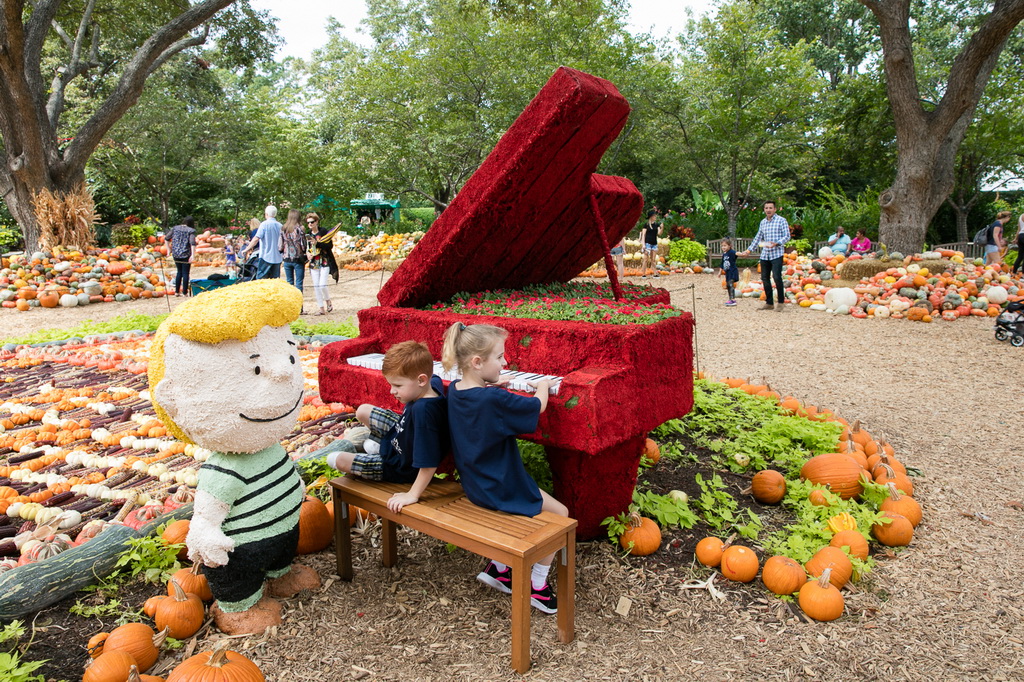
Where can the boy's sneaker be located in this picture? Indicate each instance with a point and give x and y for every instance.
(544, 599)
(499, 580)
(730, 303)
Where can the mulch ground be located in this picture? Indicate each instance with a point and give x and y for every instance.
(948, 607)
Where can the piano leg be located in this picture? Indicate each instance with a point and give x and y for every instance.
(595, 486)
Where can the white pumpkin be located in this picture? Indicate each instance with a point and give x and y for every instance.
(882, 311)
(824, 252)
(898, 306)
(69, 300)
(996, 295)
(818, 306)
(840, 296)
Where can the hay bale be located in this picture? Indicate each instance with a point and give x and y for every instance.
(391, 264)
(855, 270)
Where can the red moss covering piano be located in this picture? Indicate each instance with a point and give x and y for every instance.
(525, 217)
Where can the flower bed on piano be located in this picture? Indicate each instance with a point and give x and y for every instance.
(574, 301)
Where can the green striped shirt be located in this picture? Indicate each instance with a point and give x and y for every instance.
(263, 489)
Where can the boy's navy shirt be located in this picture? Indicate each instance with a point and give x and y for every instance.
(419, 440)
(732, 273)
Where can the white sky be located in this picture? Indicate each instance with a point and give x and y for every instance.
(301, 22)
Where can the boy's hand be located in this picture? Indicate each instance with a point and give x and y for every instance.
(399, 500)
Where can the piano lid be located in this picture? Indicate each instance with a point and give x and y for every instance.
(524, 216)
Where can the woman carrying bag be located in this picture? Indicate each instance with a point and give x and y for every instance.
(293, 250)
(321, 261)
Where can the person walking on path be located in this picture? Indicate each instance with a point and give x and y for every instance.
(293, 250)
(183, 251)
(268, 239)
(995, 245)
(321, 261)
(649, 243)
(771, 238)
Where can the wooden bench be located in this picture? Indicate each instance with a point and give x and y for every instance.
(443, 512)
(714, 247)
(969, 249)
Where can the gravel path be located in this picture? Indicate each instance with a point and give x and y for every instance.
(946, 395)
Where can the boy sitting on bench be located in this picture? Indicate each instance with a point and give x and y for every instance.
(404, 448)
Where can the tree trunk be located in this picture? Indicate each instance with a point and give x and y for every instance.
(731, 211)
(927, 141)
(961, 222)
(19, 202)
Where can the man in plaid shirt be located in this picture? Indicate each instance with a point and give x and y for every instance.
(771, 237)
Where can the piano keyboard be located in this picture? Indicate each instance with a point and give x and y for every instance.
(516, 380)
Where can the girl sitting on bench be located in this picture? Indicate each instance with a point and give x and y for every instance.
(484, 420)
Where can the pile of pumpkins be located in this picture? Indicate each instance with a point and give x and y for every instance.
(906, 290)
(127, 652)
(859, 457)
(69, 278)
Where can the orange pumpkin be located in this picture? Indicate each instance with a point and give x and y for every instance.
(709, 551)
(175, 534)
(834, 558)
(49, 299)
(783, 575)
(642, 536)
(904, 505)
(852, 539)
(739, 563)
(193, 582)
(652, 451)
(897, 532)
(219, 665)
(316, 529)
(820, 599)
(768, 486)
(837, 471)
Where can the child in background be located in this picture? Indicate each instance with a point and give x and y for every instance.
(485, 420)
(412, 444)
(731, 272)
(230, 260)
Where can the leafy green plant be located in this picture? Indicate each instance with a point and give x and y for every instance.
(687, 251)
(536, 463)
(112, 608)
(717, 506)
(149, 556)
(347, 328)
(312, 469)
(12, 669)
(10, 238)
(668, 512)
(801, 245)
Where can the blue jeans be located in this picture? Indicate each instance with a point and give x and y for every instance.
(265, 270)
(294, 273)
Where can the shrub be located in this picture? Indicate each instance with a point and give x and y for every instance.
(10, 238)
(687, 251)
(128, 234)
(801, 245)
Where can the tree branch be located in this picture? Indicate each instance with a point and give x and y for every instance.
(130, 85)
(178, 47)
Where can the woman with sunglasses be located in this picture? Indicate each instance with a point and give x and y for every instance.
(321, 261)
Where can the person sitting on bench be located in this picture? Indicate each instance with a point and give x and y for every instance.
(404, 448)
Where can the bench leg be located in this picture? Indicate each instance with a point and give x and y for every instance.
(389, 542)
(567, 589)
(521, 617)
(342, 536)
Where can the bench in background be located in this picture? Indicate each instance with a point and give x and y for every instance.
(443, 512)
(714, 247)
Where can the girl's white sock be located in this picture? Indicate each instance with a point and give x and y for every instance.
(498, 565)
(539, 576)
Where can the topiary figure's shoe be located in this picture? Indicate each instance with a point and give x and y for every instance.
(294, 581)
(264, 614)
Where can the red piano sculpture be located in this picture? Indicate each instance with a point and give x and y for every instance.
(535, 212)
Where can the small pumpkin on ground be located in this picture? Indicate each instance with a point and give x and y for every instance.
(818, 499)
(652, 451)
(739, 563)
(182, 614)
(135, 676)
(193, 582)
(831, 558)
(768, 486)
(904, 505)
(112, 665)
(898, 532)
(175, 534)
(835, 470)
(709, 551)
(643, 533)
(783, 575)
(316, 528)
(852, 539)
(820, 599)
(219, 665)
(135, 639)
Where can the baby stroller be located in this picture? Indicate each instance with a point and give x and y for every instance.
(247, 270)
(1010, 325)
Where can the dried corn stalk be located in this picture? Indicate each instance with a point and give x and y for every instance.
(65, 219)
